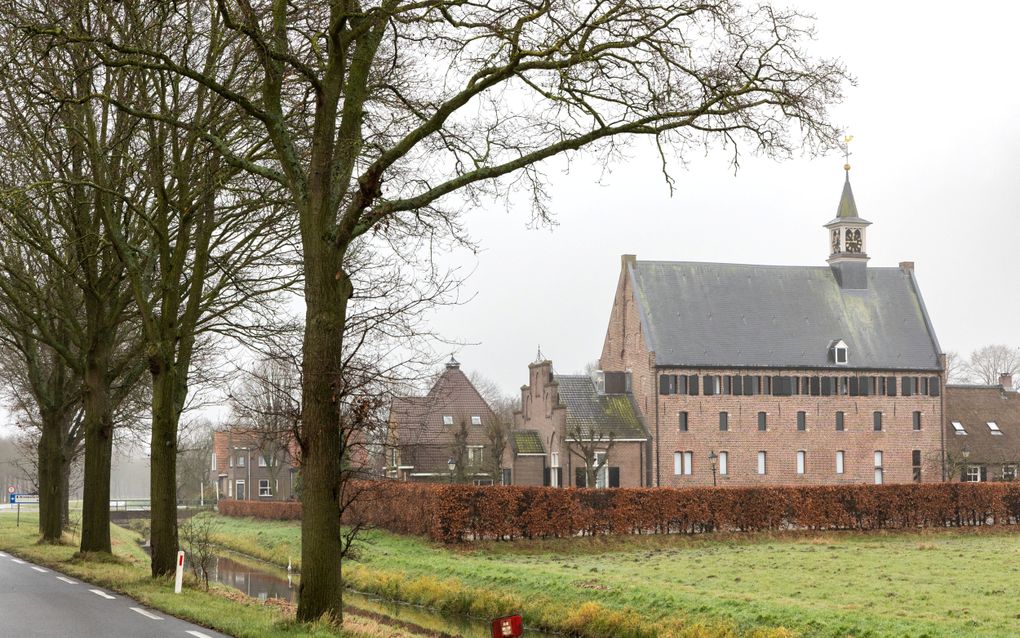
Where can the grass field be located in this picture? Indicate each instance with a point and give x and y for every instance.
(127, 571)
(932, 584)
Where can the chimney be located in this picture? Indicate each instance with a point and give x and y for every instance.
(1006, 380)
(907, 266)
(627, 259)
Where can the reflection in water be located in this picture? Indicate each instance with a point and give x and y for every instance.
(256, 583)
(267, 583)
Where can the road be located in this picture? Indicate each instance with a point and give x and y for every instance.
(37, 601)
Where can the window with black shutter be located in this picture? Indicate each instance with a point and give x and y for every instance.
(840, 421)
(917, 420)
(907, 386)
(827, 386)
(683, 421)
(692, 385)
(922, 385)
(727, 386)
(801, 421)
(724, 421)
(787, 386)
(507, 476)
(816, 386)
(795, 390)
(559, 476)
(878, 421)
(867, 386)
(984, 473)
(738, 386)
(934, 386)
(546, 477)
(890, 386)
(855, 387)
(710, 385)
(762, 422)
(805, 385)
(681, 384)
(844, 386)
(614, 477)
(667, 384)
(766, 385)
(580, 477)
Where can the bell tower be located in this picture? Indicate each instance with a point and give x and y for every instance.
(848, 239)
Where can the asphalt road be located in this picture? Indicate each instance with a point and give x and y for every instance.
(37, 601)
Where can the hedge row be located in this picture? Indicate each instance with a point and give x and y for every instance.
(267, 510)
(452, 513)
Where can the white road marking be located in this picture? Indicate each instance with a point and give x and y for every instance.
(99, 592)
(199, 634)
(18, 561)
(145, 613)
(40, 569)
(3, 555)
(67, 580)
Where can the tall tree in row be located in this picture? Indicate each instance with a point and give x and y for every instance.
(368, 140)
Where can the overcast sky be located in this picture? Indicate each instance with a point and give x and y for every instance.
(935, 168)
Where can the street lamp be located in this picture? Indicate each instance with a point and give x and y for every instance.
(712, 456)
(452, 465)
(965, 452)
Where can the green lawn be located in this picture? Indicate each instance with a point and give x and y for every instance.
(935, 584)
(127, 571)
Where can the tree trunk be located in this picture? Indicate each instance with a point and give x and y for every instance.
(67, 459)
(327, 290)
(163, 477)
(98, 425)
(51, 494)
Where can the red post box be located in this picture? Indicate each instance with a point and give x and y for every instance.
(507, 627)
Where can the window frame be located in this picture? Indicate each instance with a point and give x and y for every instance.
(801, 462)
(801, 421)
(476, 419)
(840, 421)
(877, 423)
(763, 421)
(763, 460)
(840, 462)
(683, 421)
(724, 421)
(265, 491)
(916, 423)
(724, 463)
(958, 428)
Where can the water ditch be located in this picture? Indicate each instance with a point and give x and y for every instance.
(263, 581)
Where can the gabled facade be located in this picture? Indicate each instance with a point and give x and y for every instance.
(983, 432)
(750, 374)
(561, 416)
(422, 433)
(245, 468)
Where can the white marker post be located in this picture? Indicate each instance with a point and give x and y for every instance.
(180, 573)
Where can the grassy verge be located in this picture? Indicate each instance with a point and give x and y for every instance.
(927, 585)
(127, 571)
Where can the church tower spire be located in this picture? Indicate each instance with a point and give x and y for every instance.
(848, 237)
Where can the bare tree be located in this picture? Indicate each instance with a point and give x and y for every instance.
(592, 447)
(194, 454)
(985, 365)
(197, 538)
(956, 368)
(369, 141)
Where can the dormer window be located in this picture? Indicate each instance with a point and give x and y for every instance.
(839, 353)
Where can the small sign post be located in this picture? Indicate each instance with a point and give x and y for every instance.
(18, 499)
(179, 578)
(508, 627)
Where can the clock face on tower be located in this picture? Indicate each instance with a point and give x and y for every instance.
(853, 240)
(835, 241)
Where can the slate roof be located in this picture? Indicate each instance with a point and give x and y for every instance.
(527, 442)
(974, 407)
(847, 209)
(588, 411)
(735, 315)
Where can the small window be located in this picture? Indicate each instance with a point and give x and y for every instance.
(879, 469)
(801, 421)
(688, 463)
(1008, 472)
(678, 463)
(231, 461)
(240, 461)
(958, 429)
(683, 422)
(801, 461)
(213, 462)
(973, 474)
(878, 421)
(840, 421)
(724, 458)
(724, 421)
(447, 419)
(841, 357)
(476, 420)
(476, 454)
(262, 460)
(917, 421)
(264, 489)
(762, 421)
(994, 428)
(761, 463)
(554, 459)
(840, 460)
(915, 461)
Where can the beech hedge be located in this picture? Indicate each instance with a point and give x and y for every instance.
(454, 513)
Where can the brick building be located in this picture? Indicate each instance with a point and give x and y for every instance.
(248, 466)
(983, 431)
(562, 415)
(422, 431)
(782, 374)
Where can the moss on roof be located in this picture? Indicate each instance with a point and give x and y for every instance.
(528, 442)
